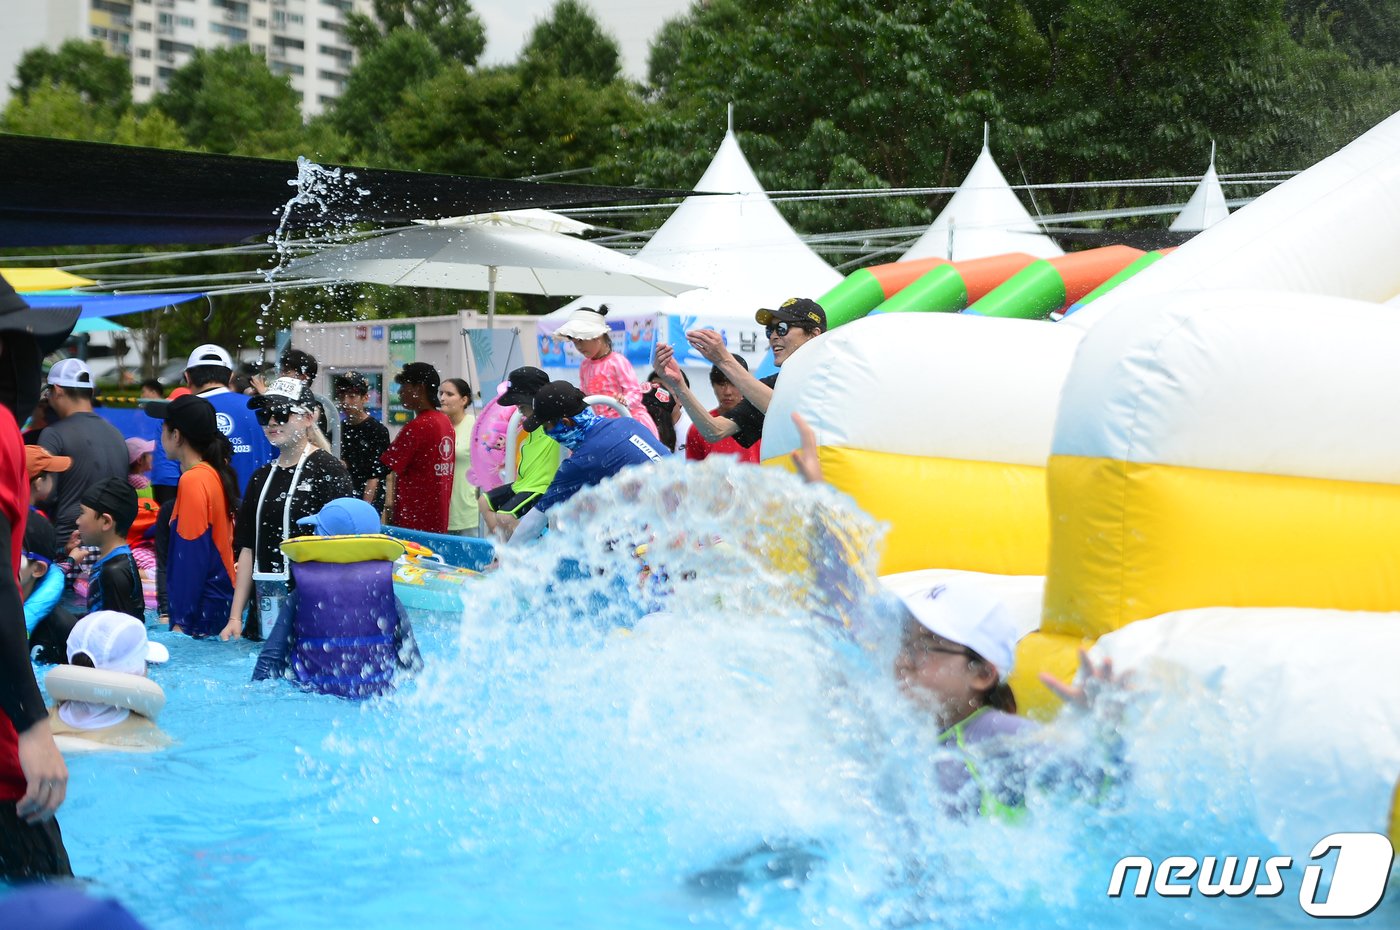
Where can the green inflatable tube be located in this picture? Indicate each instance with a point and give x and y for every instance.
(1032, 293)
(853, 298)
(941, 290)
(1147, 258)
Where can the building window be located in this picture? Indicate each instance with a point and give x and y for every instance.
(344, 6)
(233, 32)
(185, 22)
(344, 54)
(143, 81)
(143, 53)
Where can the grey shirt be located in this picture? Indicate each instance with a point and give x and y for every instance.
(98, 452)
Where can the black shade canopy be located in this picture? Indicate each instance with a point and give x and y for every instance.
(62, 192)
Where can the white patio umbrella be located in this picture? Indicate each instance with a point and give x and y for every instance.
(519, 252)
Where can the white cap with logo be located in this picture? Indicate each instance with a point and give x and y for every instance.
(965, 613)
(209, 354)
(71, 372)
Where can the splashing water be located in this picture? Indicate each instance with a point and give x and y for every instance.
(325, 206)
(609, 724)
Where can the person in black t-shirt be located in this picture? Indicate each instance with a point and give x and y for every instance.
(792, 325)
(363, 439)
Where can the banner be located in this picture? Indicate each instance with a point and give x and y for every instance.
(633, 336)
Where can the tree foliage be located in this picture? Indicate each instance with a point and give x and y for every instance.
(452, 26)
(570, 43)
(226, 100)
(100, 80)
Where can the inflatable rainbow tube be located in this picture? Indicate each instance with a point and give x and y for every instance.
(865, 289)
(950, 287)
(1141, 263)
(1049, 285)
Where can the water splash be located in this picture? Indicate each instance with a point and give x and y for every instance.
(616, 722)
(324, 207)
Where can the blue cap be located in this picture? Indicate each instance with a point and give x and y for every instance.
(54, 908)
(344, 516)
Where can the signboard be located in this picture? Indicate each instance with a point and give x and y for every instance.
(403, 348)
(633, 336)
(496, 352)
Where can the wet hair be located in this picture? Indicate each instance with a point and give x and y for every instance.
(218, 452)
(154, 384)
(462, 387)
(201, 375)
(87, 394)
(999, 696)
(719, 377)
(661, 414)
(653, 376)
(82, 660)
(297, 362)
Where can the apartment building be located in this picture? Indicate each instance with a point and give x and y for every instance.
(303, 39)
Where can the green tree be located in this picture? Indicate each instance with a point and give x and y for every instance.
(491, 122)
(571, 43)
(59, 111)
(376, 88)
(100, 80)
(226, 100)
(451, 25)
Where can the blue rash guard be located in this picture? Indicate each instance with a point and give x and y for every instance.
(608, 447)
(251, 450)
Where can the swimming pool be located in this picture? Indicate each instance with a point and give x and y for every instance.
(562, 763)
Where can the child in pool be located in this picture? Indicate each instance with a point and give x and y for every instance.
(604, 371)
(110, 642)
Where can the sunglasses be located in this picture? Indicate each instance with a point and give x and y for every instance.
(270, 415)
(782, 329)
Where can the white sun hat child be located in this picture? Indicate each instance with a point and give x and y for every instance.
(965, 613)
(585, 323)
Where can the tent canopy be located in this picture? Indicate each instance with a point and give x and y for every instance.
(1207, 205)
(736, 244)
(101, 306)
(982, 219)
(41, 279)
(63, 192)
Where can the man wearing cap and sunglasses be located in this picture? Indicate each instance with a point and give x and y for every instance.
(792, 325)
(96, 447)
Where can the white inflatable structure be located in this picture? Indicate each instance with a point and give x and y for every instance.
(1332, 230)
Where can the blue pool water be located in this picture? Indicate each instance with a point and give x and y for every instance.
(565, 762)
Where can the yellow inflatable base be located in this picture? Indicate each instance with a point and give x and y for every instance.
(952, 513)
(1133, 540)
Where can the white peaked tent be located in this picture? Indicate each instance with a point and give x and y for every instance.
(1206, 206)
(983, 218)
(738, 246)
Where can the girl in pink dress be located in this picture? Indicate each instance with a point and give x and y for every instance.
(604, 371)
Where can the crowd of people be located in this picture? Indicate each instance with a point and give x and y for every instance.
(236, 474)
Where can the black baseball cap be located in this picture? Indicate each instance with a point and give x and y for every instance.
(351, 382)
(794, 310)
(114, 496)
(522, 386)
(556, 399)
(420, 373)
(191, 414)
(50, 326)
(40, 538)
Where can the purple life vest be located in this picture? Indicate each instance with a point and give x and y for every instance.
(345, 623)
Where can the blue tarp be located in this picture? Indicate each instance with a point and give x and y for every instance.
(105, 305)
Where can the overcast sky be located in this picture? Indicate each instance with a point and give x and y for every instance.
(632, 22)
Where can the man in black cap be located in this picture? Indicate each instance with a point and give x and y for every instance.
(537, 458)
(363, 439)
(33, 776)
(792, 325)
(600, 447)
(423, 456)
